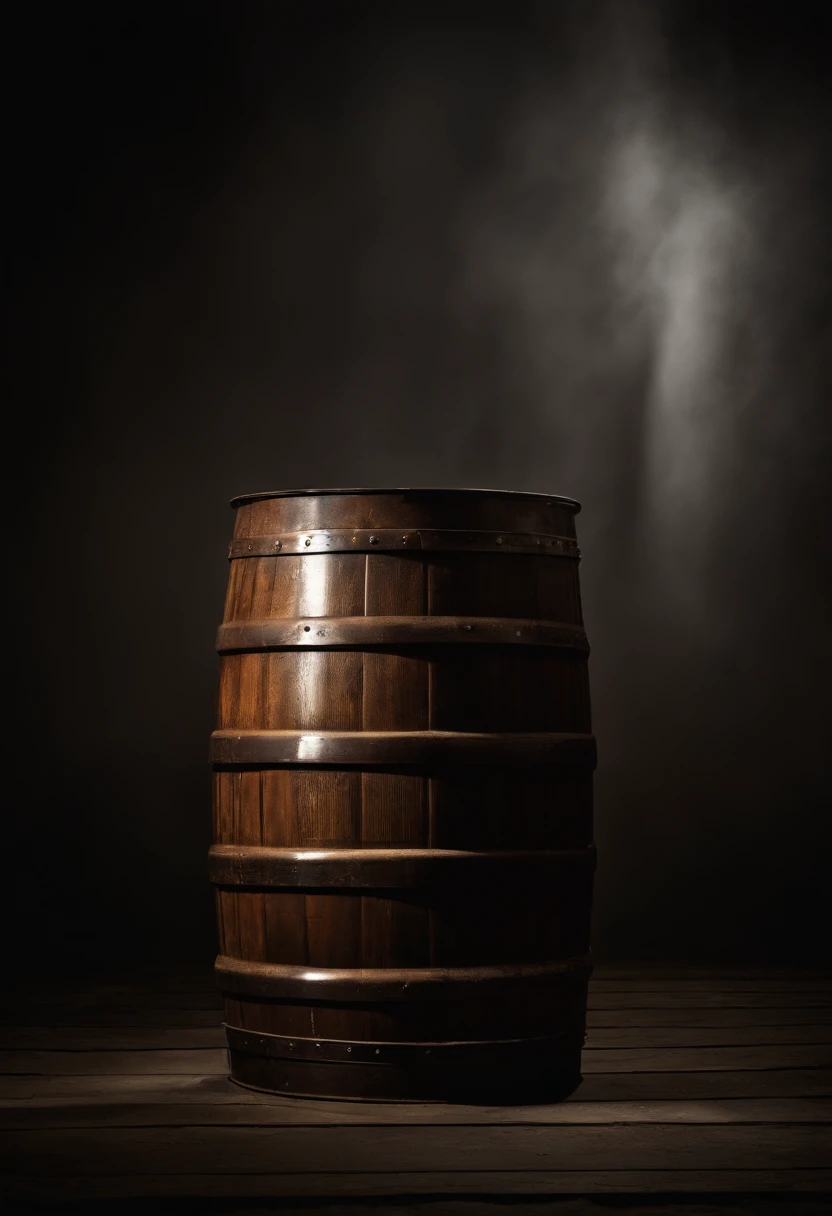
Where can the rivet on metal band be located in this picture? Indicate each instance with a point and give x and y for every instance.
(276, 1046)
(279, 632)
(452, 540)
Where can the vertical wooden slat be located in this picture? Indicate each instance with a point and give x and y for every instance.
(285, 927)
(400, 688)
(234, 572)
(224, 805)
(234, 789)
(393, 809)
(251, 692)
(312, 807)
(557, 586)
(245, 592)
(251, 925)
(333, 930)
(243, 521)
(287, 570)
(395, 931)
(263, 589)
(316, 585)
(395, 584)
(484, 584)
(395, 690)
(216, 807)
(311, 690)
(229, 684)
(231, 930)
(248, 825)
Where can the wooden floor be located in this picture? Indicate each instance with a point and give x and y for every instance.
(696, 1083)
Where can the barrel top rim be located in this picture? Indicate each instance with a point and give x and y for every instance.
(242, 499)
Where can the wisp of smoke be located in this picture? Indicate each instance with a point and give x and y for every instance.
(683, 231)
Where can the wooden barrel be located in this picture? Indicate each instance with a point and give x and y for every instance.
(403, 854)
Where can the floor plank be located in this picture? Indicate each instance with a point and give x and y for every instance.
(49, 1113)
(606, 1060)
(139, 1004)
(409, 1185)
(117, 1063)
(669, 971)
(783, 1204)
(127, 1000)
(95, 1015)
(699, 998)
(707, 1036)
(700, 1081)
(791, 1016)
(681, 1059)
(725, 983)
(109, 1038)
(601, 1087)
(113, 1038)
(216, 1150)
(136, 1016)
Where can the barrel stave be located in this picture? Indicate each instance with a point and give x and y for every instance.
(546, 1010)
(458, 568)
(547, 807)
(420, 509)
(495, 689)
(408, 584)
(408, 929)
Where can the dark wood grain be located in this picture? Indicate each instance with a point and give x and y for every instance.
(204, 1062)
(123, 1087)
(403, 671)
(699, 997)
(726, 984)
(427, 1184)
(94, 1038)
(163, 1108)
(525, 1150)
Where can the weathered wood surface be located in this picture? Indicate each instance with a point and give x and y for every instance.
(59, 1017)
(391, 1149)
(198, 985)
(696, 1098)
(645, 1019)
(428, 1184)
(190, 978)
(602, 1087)
(402, 763)
(197, 1061)
(194, 993)
(50, 1113)
(139, 1038)
(728, 984)
(700, 996)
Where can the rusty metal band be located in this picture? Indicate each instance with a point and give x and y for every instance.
(399, 747)
(384, 869)
(379, 540)
(417, 1055)
(275, 633)
(275, 981)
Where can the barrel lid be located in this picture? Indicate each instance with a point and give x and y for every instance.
(242, 499)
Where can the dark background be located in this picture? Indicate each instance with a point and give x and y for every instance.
(571, 248)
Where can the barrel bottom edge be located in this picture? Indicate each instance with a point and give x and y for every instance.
(486, 1082)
